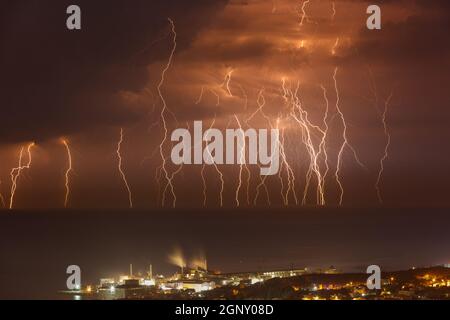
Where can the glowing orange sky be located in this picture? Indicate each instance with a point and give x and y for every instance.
(262, 43)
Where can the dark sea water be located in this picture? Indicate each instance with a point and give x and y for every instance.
(36, 247)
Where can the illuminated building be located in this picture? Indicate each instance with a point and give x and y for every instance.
(198, 285)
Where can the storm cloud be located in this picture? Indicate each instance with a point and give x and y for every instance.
(54, 81)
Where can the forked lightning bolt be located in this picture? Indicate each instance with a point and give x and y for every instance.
(300, 115)
(289, 171)
(164, 110)
(260, 102)
(323, 143)
(345, 142)
(224, 86)
(221, 177)
(15, 172)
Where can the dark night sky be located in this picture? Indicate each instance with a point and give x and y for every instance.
(56, 82)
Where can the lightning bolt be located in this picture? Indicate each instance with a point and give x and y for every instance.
(222, 184)
(313, 135)
(289, 171)
(241, 165)
(205, 195)
(221, 177)
(316, 149)
(262, 184)
(172, 176)
(226, 82)
(15, 172)
(386, 148)
(68, 171)
(225, 85)
(260, 102)
(303, 9)
(345, 142)
(300, 115)
(200, 97)
(119, 167)
(202, 92)
(202, 171)
(324, 137)
(164, 109)
(249, 174)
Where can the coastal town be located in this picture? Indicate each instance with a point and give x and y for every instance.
(425, 283)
